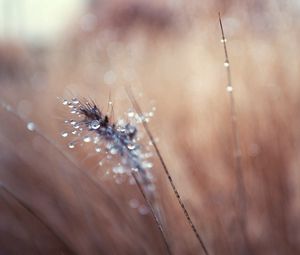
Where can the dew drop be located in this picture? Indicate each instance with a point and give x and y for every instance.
(130, 114)
(134, 169)
(75, 100)
(31, 126)
(229, 88)
(121, 122)
(131, 130)
(87, 139)
(118, 170)
(96, 139)
(74, 132)
(73, 122)
(223, 40)
(65, 102)
(226, 63)
(110, 148)
(121, 129)
(113, 150)
(95, 124)
(138, 118)
(64, 134)
(71, 145)
(98, 149)
(131, 146)
(147, 164)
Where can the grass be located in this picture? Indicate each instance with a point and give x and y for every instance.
(182, 70)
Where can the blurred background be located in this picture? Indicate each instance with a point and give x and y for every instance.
(169, 52)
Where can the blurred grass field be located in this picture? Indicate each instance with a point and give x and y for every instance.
(169, 52)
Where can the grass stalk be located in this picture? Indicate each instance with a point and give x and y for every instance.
(158, 223)
(240, 179)
(166, 170)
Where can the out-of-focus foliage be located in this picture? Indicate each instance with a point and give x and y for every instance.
(170, 52)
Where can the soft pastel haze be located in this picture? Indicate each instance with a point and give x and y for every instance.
(232, 148)
(36, 20)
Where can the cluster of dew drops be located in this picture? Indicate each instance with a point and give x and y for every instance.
(229, 87)
(78, 128)
(79, 135)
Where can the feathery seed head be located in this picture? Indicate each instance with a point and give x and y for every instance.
(118, 138)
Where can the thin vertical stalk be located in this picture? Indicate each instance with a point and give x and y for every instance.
(158, 223)
(166, 170)
(241, 190)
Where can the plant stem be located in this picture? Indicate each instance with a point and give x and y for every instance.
(158, 223)
(241, 190)
(186, 213)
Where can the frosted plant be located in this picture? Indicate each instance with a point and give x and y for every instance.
(119, 139)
